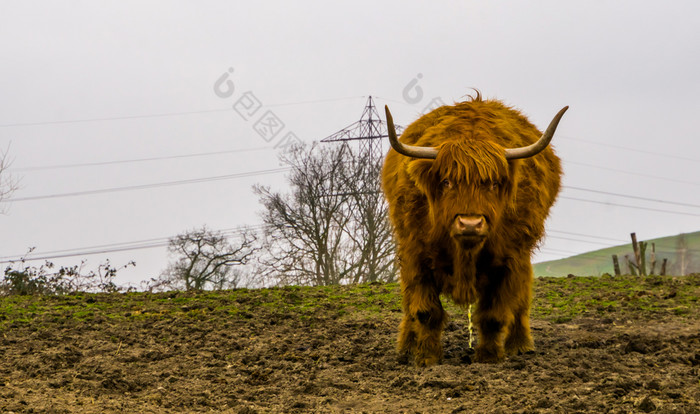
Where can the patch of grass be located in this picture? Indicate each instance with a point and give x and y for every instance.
(83, 314)
(555, 299)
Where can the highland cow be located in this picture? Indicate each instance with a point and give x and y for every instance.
(469, 188)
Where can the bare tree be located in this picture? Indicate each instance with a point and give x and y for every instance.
(305, 229)
(8, 184)
(332, 227)
(370, 229)
(205, 258)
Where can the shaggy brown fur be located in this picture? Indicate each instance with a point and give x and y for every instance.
(470, 176)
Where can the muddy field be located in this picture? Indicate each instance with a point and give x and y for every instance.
(603, 345)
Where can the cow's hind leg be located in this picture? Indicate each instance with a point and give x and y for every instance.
(421, 329)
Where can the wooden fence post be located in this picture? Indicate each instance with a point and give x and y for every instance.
(635, 247)
(630, 265)
(653, 258)
(616, 265)
(663, 267)
(643, 255)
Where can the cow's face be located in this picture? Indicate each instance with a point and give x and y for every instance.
(468, 188)
(469, 180)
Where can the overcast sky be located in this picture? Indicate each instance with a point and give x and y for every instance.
(99, 82)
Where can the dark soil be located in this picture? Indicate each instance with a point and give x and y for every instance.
(616, 345)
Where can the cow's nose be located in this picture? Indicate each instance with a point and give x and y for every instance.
(471, 225)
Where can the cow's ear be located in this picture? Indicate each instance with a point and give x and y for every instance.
(421, 173)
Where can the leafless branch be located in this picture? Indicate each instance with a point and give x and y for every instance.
(8, 183)
(332, 226)
(205, 258)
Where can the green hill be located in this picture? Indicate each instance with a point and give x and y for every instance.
(599, 262)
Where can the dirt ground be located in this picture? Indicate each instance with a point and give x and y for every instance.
(616, 345)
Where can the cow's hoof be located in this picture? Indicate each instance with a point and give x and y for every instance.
(427, 360)
(488, 355)
(519, 347)
(403, 358)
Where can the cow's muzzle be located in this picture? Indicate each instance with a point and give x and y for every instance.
(469, 229)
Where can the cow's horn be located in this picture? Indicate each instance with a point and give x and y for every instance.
(534, 149)
(408, 150)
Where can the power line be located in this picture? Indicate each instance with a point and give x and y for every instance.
(147, 186)
(656, 177)
(112, 118)
(118, 247)
(235, 151)
(90, 253)
(629, 206)
(605, 203)
(161, 115)
(169, 157)
(144, 244)
(656, 154)
(347, 98)
(560, 251)
(277, 170)
(160, 242)
(580, 240)
(604, 144)
(394, 100)
(655, 200)
(587, 235)
(596, 253)
(549, 249)
(580, 189)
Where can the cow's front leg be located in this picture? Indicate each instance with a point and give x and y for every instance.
(503, 311)
(423, 320)
(519, 339)
(493, 315)
(492, 332)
